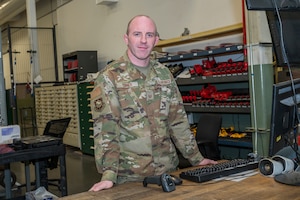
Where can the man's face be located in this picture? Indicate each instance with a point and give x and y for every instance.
(141, 39)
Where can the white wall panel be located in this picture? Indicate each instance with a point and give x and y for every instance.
(85, 25)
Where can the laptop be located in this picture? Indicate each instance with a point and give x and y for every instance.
(53, 135)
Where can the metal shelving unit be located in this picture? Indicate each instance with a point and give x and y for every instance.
(205, 53)
(226, 78)
(224, 81)
(217, 109)
(78, 64)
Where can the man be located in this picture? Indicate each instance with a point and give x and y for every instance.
(138, 114)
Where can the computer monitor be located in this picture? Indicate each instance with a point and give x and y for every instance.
(57, 127)
(284, 120)
(284, 23)
(269, 4)
(285, 33)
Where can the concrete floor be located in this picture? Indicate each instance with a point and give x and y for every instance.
(81, 174)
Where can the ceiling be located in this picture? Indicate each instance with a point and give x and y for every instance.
(10, 10)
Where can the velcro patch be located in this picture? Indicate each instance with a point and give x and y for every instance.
(98, 105)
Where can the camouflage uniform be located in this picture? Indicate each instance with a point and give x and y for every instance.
(135, 120)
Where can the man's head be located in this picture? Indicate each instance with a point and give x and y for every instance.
(141, 36)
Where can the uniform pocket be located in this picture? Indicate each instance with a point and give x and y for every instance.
(132, 111)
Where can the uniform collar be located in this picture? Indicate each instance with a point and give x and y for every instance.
(131, 69)
(125, 57)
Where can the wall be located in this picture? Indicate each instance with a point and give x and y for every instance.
(83, 25)
(46, 17)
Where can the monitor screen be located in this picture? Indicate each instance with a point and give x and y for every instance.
(284, 115)
(269, 4)
(285, 33)
(57, 127)
(284, 23)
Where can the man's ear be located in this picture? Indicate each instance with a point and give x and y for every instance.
(156, 40)
(125, 38)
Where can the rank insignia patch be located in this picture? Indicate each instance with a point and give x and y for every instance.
(98, 105)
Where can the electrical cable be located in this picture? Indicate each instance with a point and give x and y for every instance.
(284, 54)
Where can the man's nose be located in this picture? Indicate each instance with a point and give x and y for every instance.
(143, 39)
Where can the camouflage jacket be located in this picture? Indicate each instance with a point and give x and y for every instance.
(136, 118)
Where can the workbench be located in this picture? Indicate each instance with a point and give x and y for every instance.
(255, 187)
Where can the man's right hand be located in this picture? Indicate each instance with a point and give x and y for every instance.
(102, 185)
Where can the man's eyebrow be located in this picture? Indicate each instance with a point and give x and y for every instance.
(141, 31)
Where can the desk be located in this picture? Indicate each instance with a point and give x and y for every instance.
(35, 155)
(255, 187)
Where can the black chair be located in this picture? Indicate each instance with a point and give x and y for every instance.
(207, 135)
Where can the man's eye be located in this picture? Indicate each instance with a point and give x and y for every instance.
(150, 35)
(136, 34)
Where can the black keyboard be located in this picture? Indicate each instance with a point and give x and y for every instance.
(219, 170)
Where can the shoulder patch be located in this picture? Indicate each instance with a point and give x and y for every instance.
(97, 102)
(98, 105)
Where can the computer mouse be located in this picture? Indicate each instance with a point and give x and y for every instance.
(176, 179)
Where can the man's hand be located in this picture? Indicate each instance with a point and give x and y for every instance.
(102, 185)
(206, 161)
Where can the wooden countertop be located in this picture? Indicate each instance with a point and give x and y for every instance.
(254, 187)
